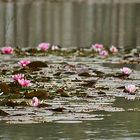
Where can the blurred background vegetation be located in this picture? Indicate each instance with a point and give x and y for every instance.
(70, 23)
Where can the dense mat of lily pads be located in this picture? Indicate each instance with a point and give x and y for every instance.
(49, 83)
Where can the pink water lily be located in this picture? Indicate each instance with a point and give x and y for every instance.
(43, 46)
(17, 76)
(97, 47)
(35, 102)
(103, 53)
(126, 71)
(7, 50)
(24, 82)
(24, 63)
(131, 88)
(113, 49)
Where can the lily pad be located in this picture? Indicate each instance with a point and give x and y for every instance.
(38, 64)
(41, 94)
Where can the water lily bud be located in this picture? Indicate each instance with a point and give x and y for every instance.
(113, 49)
(24, 63)
(35, 102)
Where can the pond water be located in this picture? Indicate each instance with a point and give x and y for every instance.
(115, 125)
(81, 96)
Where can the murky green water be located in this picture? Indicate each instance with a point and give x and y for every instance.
(115, 125)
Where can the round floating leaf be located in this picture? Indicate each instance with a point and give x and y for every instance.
(42, 94)
(86, 74)
(90, 83)
(5, 88)
(38, 64)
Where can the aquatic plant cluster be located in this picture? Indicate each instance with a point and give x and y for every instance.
(49, 71)
(23, 82)
(102, 51)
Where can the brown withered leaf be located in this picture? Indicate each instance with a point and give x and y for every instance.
(36, 64)
(121, 75)
(43, 79)
(120, 87)
(4, 71)
(59, 109)
(14, 88)
(86, 74)
(19, 71)
(32, 50)
(44, 105)
(62, 92)
(23, 103)
(90, 83)
(3, 113)
(5, 88)
(10, 103)
(99, 73)
(57, 73)
(19, 51)
(101, 93)
(102, 88)
(41, 94)
(69, 72)
(127, 56)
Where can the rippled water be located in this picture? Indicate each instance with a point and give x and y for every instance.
(115, 125)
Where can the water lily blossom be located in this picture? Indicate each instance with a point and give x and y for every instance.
(131, 88)
(43, 46)
(113, 49)
(126, 71)
(24, 82)
(20, 79)
(35, 102)
(97, 47)
(24, 63)
(103, 53)
(7, 50)
(17, 76)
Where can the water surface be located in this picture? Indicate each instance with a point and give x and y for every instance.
(115, 125)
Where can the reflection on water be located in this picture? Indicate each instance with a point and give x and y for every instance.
(119, 65)
(117, 125)
(71, 23)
